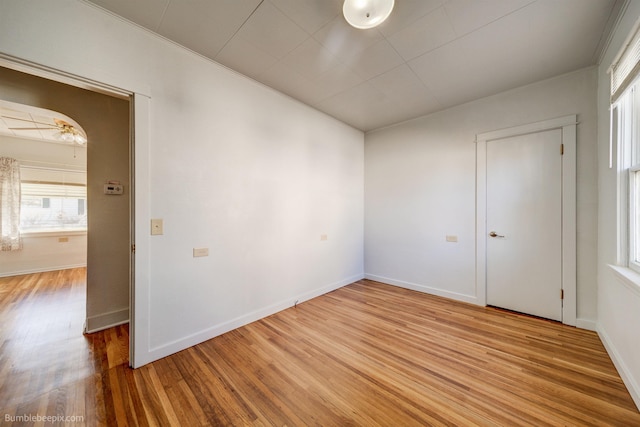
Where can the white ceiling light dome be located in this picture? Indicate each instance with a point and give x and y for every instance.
(365, 14)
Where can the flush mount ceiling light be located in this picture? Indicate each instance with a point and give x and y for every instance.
(365, 14)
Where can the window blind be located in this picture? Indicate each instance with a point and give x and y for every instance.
(44, 182)
(46, 189)
(51, 175)
(626, 68)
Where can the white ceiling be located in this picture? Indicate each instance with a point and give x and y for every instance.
(429, 55)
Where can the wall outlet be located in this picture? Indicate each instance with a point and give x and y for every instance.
(323, 237)
(453, 239)
(157, 227)
(198, 252)
(63, 239)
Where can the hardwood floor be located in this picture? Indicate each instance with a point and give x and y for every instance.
(366, 354)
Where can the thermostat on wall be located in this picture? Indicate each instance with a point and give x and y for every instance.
(113, 188)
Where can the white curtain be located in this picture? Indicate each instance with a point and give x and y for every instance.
(10, 205)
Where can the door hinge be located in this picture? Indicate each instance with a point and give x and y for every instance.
(561, 293)
(133, 249)
(562, 149)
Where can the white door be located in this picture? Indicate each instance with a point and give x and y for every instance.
(524, 223)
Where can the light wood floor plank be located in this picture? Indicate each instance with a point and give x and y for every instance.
(366, 354)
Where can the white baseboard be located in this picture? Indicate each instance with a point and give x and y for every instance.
(589, 325)
(41, 270)
(106, 320)
(627, 377)
(212, 332)
(423, 288)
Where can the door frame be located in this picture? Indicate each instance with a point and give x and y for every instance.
(139, 102)
(568, 126)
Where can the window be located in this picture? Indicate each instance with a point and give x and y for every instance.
(625, 135)
(52, 200)
(626, 130)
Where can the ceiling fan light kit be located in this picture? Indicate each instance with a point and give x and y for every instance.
(365, 14)
(68, 133)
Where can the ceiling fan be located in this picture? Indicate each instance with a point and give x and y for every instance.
(66, 131)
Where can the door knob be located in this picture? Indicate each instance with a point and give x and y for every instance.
(494, 234)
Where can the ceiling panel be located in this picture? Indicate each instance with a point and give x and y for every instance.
(427, 33)
(343, 40)
(146, 13)
(310, 15)
(374, 60)
(470, 15)
(356, 105)
(429, 54)
(402, 85)
(4, 129)
(336, 80)
(525, 56)
(272, 31)
(406, 12)
(311, 59)
(245, 57)
(290, 82)
(202, 25)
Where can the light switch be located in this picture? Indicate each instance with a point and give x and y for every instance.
(323, 237)
(157, 227)
(452, 239)
(198, 252)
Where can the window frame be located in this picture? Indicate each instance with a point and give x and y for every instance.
(633, 209)
(625, 134)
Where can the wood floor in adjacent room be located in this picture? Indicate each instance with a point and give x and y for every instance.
(367, 354)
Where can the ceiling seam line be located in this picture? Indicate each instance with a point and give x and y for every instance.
(164, 12)
(461, 36)
(407, 64)
(239, 28)
(490, 22)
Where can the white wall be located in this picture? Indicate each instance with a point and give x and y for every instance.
(618, 299)
(420, 186)
(44, 251)
(227, 163)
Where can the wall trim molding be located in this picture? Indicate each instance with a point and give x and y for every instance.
(139, 158)
(36, 69)
(219, 329)
(424, 288)
(42, 269)
(568, 126)
(618, 362)
(588, 324)
(627, 277)
(106, 320)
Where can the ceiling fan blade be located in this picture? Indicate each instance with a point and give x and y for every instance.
(29, 121)
(33, 128)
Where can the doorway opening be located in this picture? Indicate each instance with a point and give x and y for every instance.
(106, 124)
